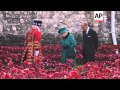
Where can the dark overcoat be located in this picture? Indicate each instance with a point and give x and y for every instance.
(90, 45)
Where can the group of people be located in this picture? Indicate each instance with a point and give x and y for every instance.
(33, 40)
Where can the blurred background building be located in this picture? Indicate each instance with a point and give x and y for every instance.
(18, 22)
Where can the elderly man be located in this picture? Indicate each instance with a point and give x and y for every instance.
(32, 42)
(68, 45)
(90, 42)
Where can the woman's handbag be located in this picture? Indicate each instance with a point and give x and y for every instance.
(71, 53)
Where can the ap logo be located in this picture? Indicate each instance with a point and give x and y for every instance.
(98, 16)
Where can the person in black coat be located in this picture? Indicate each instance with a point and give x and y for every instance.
(90, 43)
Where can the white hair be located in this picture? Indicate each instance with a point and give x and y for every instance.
(35, 27)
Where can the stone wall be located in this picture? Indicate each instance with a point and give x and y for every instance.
(17, 22)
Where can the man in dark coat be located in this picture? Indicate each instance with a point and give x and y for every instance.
(90, 42)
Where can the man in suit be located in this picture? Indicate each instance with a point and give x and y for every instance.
(90, 42)
(68, 45)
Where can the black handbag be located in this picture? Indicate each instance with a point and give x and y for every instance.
(71, 53)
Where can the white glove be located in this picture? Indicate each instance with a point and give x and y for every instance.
(36, 53)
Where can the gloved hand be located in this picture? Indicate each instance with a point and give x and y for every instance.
(36, 53)
(66, 47)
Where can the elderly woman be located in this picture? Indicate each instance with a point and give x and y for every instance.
(68, 45)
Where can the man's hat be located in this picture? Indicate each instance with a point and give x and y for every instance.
(62, 30)
(37, 22)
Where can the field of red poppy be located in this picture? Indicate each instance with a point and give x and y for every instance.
(106, 65)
